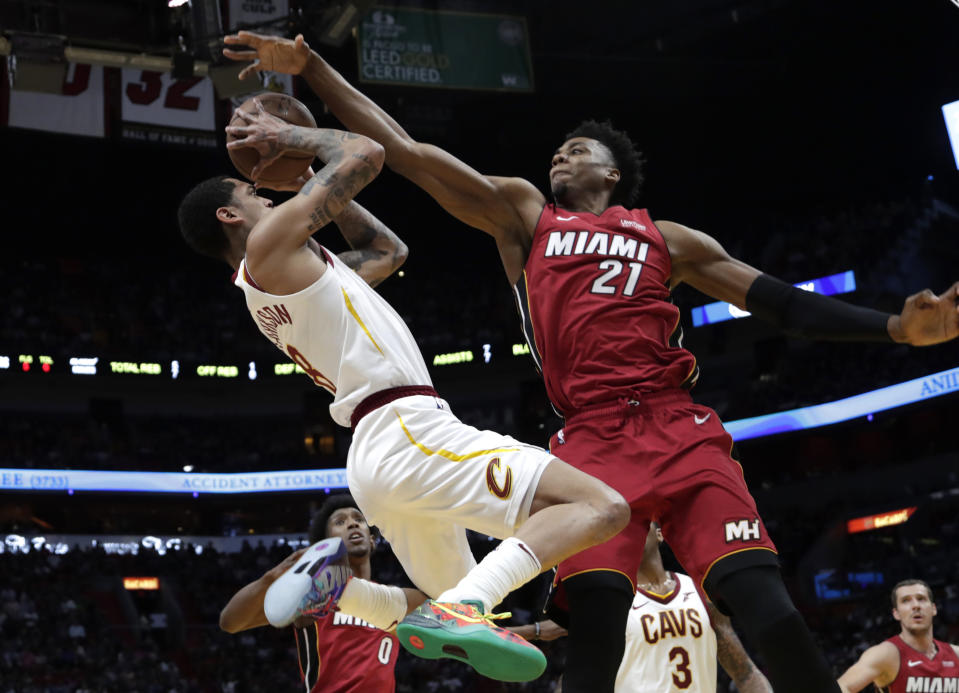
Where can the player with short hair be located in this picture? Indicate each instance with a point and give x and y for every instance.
(593, 279)
(913, 660)
(673, 637)
(338, 653)
(417, 472)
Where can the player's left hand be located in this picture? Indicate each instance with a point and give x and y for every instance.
(268, 53)
(928, 319)
(262, 131)
(290, 185)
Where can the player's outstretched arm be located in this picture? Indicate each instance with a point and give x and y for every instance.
(701, 262)
(879, 664)
(376, 252)
(733, 657)
(502, 207)
(245, 608)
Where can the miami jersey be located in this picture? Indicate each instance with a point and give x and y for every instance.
(341, 333)
(670, 643)
(921, 674)
(595, 303)
(343, 654)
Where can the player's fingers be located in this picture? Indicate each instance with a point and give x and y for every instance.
(239, 144)
(249, 69)
(927, 298)
(249, 38)
(923, 299)
(239, 55)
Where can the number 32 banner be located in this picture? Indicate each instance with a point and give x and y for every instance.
(157, 108)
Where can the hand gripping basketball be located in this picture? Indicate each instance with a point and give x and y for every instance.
(254, 139)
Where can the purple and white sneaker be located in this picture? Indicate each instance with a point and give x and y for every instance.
(312, 586)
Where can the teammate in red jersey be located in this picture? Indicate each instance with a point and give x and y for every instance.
(912, 660)
(337, 653)
(593, 279)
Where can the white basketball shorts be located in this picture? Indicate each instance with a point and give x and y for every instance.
(423, 477)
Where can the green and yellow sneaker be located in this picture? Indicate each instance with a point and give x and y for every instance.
(461, 631)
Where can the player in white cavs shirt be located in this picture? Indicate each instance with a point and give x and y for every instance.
(416, 471)
(673, 638)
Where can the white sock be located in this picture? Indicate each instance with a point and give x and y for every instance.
(508, 566)
(381, 605)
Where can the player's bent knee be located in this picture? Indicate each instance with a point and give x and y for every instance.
(612, 513)
(619, 514)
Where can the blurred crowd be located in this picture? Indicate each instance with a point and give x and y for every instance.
(68, 626)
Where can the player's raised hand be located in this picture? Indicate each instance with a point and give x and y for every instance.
(262, 131)
(929, 319)
(263, 52)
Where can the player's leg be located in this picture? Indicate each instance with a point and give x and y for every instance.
(598, 606)
(591, 597)
(570, 511)
(714, 529)
(414, 458)
(594, 588)
(757, 598)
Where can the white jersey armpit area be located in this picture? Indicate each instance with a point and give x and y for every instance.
(343, 334)
(416, 471)
(670, 643)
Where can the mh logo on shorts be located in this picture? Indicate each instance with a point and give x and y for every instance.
(742, 530)
(493, 485)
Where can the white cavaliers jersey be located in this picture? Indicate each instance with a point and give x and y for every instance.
(670, 643)
(341, 332)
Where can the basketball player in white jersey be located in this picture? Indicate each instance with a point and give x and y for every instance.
(673, 637)
(416, 471)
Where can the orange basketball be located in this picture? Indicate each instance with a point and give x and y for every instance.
(292, 164)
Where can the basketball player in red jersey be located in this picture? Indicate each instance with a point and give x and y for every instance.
(912, 660)
(337, 653)
(593, 280)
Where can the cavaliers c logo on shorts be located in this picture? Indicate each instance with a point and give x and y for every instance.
(493, 485)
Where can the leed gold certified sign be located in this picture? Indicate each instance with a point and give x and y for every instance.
(452, 50)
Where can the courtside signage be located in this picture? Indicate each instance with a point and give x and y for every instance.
(899, 395)
(841, 283)
(870, 522)
(170, 482)
(141, 583)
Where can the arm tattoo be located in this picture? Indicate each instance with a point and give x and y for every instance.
(734, 659)
(371, 241)
(342, 189)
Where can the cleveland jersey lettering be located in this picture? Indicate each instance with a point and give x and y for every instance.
(341, 334)
(670, 644)
(605, 279)
(921, 674)
(343, 654)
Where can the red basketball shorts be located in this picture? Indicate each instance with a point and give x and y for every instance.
(670, 459)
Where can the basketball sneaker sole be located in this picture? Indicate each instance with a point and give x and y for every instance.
(316, 580)
(492, 651)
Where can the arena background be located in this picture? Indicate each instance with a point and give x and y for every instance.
(807, 136)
